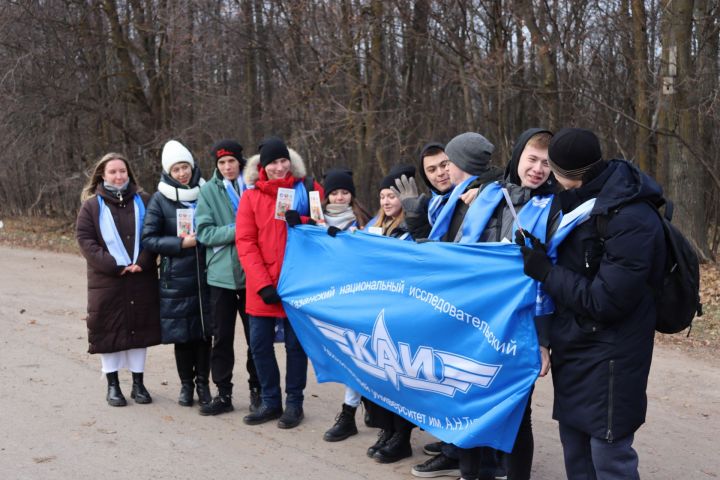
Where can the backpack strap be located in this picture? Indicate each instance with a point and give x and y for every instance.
(309, 184)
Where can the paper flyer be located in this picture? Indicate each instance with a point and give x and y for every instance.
(284, 202)
(184, 218)
(316, 212)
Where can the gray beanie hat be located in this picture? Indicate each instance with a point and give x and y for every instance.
(470, 152)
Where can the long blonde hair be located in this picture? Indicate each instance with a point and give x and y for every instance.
(388, 224)
(99, 169)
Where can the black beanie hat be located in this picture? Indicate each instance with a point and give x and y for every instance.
(396, 172)
(272, 148)
(225, 148)
(337, 178)
(573, 151)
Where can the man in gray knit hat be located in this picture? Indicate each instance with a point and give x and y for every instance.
(469, 154)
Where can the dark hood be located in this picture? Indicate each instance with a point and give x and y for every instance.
(619, 183)
(511, 170)
(421, 167)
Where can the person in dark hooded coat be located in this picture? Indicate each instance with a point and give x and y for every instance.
(421, 209)
(601, 337)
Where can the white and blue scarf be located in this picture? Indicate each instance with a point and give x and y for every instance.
(442, 221)
(233, 194)
(111, 236)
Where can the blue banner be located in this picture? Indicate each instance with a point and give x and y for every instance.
(440, 333)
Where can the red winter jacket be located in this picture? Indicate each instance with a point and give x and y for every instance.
(260, 238)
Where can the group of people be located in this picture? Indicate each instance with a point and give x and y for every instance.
(221, 244)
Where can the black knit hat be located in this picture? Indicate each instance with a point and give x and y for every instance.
(396, 172)
(272, 148)
(337, 178)
(573, 151)
(225, 148)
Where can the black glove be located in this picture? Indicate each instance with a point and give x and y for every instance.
(292, 217)
(332, 231)
(536, 263)
(269, 295)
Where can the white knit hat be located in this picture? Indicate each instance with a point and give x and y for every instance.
(175, 152)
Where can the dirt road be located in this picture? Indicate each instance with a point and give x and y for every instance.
(55, 424)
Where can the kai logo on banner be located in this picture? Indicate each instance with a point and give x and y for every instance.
(425, 369)
(440, 334)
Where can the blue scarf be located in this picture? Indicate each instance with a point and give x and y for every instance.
(300, 202)
(233, 194)
(111, 236)
(437, 201)
(533, 216)
(443, 219)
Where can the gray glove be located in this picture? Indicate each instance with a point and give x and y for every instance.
(406, 188)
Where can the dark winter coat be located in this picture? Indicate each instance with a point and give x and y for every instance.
(122, 310)
(602, 336)
(183, 285)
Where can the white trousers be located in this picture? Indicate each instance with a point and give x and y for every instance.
(133, 360)
(352, 398)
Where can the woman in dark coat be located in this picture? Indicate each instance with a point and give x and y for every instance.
(122, 277)
(184, 295)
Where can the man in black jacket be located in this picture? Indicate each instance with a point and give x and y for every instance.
(420, 209)
(601, 338)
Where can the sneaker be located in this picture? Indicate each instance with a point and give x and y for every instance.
(433, 449)
(262, 415)
(437, 466)
(218, 405)
(292, 417)
(344, 425)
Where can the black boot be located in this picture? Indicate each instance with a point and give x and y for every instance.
(220, 404)
(255, 400)
(396, 448)
(186, 393)
(139, 392)
(203, 391)
(344, 425)
(291, 417)
(185, 362)
(202, 373)
(115, 397)
(383, 437)
(262, 415)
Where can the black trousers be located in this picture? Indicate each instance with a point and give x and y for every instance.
(193, 361)
(385, 419)
(226, 304)
(481, 462)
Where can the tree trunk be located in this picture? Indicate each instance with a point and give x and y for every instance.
(678, 126)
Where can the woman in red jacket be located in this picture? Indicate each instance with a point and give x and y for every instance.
(260, 238)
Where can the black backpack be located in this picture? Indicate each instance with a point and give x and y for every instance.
(678, 299)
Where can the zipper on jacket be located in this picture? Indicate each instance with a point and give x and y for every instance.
(609, 434)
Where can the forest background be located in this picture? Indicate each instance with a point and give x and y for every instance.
(357, 83)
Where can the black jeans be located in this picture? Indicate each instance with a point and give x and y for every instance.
(226, 304)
